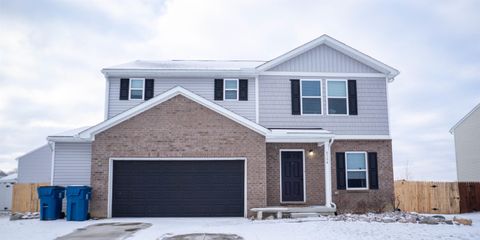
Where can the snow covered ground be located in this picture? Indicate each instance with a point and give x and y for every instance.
(311, 228)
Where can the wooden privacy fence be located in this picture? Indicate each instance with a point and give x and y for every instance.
(437, 197)
(25, 197)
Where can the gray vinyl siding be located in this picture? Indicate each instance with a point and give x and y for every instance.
(36, 166)
(203, 87)
(467, 148)
(323, 59)
(372, 119)
(72, 164)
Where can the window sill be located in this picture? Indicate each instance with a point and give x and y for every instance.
(357, 190)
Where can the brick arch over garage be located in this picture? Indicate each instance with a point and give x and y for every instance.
(177, 128)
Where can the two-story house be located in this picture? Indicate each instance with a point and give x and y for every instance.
(218, 138)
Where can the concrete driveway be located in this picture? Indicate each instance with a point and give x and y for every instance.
(106, 231)
(124, 230)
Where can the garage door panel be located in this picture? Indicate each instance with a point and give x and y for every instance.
(178, 188)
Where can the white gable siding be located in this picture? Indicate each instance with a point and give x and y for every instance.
(372, 118)
(72, 164)
(36, 166)
(467, 148)
(323, 59)
(203, 87)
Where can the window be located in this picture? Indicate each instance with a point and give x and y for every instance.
(136, 88)
(231, 89)
(356, 166)
(337, 97)
(311, 99)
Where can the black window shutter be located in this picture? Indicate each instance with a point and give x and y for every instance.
(352, 97)
(295, 88)
(372, 170)
(218, 89)
(124, 88)
(341, 184)
(148, 89)
(243, 90)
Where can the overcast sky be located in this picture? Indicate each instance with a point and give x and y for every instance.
(51, 53)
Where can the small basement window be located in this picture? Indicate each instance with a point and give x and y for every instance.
(356, 165)
(337, 97)
(311, 96)
(231, 89)
(137, 87)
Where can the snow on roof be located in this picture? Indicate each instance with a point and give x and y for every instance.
(188, 65)
(9, 178)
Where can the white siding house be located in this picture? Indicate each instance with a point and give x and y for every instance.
(35, 166)
(467, 146)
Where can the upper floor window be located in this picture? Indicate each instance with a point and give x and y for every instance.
(231, 89)
(311, 96)
(356, 163)
(137, 88)
(337, 97)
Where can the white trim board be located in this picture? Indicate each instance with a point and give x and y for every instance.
(323, 74)
(110, 175)
(304, 176)
(362, 137)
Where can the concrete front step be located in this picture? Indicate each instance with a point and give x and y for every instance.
(304, 215)
(296, 212)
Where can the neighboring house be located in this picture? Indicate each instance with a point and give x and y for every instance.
(467, 146)
(6, 190)
(218, 138)
(35, 166)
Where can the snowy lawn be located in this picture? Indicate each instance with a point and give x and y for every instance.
(311, 228)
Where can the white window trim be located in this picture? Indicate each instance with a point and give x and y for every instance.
(130, 89)
(320, 97)
(225, 89)
(304, 176)
(356, 170)
(346, 96)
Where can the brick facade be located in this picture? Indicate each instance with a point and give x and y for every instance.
(378, 200)
(178, 127)
(347, 201)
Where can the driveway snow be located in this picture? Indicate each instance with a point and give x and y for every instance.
(312, 228)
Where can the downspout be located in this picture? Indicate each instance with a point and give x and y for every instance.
(387, 81)
(52, 168)
(257, 110)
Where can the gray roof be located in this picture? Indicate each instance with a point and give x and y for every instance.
(188, 65)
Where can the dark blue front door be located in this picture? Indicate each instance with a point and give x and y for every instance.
(292, 176)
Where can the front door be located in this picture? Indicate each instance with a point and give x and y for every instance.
(292, 176)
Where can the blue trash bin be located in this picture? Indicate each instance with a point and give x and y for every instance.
(77, 202)
(50, 202)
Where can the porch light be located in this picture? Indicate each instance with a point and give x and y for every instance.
(310, 152)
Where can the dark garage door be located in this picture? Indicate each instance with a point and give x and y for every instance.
(178, 188)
